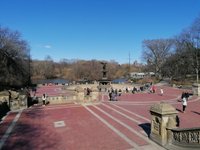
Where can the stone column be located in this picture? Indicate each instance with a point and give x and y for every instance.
(196, 89)
(79, 94)
(94, 96)
(162, 115)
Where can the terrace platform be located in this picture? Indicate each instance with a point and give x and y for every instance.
(107, 125)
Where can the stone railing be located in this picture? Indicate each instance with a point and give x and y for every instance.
(78, 97)
(15, 103)
(59, 99)
(19, 103)
(188, 138)
(164, 129)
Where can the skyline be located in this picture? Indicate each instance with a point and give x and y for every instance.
(95, 29)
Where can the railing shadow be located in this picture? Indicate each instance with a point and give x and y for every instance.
(4, 108)
(146, 127)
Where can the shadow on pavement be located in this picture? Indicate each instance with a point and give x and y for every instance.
(196, 112)
(146, 127)
(178, 110)
(32, 132)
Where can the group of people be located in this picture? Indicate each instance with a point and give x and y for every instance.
(114, 93)
(87, 91)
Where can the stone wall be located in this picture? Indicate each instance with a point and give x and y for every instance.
(15, 101)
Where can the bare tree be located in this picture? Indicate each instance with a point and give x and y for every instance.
(188, 44)
(77, 69)
(195, 45)
(49, 67)
(14, 58)
(155, 53)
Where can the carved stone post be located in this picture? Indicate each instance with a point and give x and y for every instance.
(95, 94)
(172, 124)
(196, 89)
(163, 115)
(79, 93)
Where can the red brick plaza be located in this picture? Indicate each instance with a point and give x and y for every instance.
(108, 125)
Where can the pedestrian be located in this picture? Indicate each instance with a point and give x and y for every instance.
(88, 92)
(120, 92)
(161, 92)
(35, 100)
(153, 88)
(110, 95)
(29, 100)
(184, 102)
(187, 95)
(116, 92)
(44, 99)
(183, 95)
(114, 96)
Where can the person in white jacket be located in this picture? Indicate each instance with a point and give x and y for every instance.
(161, 92)
(184, 99)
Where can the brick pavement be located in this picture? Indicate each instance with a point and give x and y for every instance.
(118, 125)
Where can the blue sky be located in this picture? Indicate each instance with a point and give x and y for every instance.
(95, 29)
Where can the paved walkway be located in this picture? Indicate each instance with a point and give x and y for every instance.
(108, 125)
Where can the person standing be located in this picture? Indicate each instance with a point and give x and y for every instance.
(184, 99)
(153, 89)
(161, 92)
(44, 99)
(110, 94)
(187, 95)
(29, 100)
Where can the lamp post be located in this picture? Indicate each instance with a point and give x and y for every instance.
(197, 61)
(29, 69)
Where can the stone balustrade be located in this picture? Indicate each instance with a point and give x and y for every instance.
(164, 129)
(182, 139)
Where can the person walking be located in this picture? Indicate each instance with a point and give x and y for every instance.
(184, 102)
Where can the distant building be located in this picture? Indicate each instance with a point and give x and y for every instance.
(141, 75)
(119, 81)
(51, 82)
(152, 74)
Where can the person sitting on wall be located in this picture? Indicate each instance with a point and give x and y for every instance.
(88, 92)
